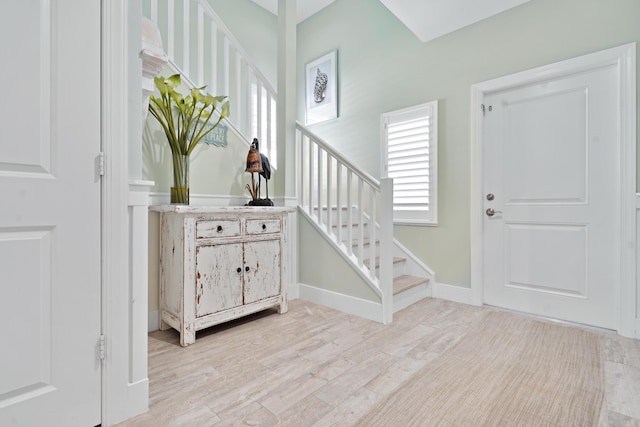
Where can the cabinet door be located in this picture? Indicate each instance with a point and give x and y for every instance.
(218, 281)
(262, 278)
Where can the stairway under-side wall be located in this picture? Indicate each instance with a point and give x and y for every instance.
(411, 278)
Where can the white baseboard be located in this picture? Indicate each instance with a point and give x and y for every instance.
(345, 303)
(154, 321)
(133, 400)
(293, 292)
(453, 293)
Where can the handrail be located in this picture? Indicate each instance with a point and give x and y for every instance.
(328, 148)
(191, 85)
(204, 49)
(222, 27)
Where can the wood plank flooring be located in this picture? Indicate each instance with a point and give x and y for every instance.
(315, 366)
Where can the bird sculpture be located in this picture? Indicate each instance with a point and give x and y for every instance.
(266, 168)
(258, 162)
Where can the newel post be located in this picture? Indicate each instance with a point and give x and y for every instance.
(386, 248)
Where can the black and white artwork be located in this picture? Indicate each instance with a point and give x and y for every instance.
(322, 89)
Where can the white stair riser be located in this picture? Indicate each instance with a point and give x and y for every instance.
(410, 296)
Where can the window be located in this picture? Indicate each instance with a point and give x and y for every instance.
(410, 158)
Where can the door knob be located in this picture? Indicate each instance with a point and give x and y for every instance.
(491, 212)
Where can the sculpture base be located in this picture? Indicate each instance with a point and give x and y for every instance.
(260, 202)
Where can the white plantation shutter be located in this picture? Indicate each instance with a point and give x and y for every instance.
(410, 159)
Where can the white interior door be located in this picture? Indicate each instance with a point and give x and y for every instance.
(50, 213)
(551, 176)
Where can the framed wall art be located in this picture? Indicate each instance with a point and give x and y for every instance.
(321, 89)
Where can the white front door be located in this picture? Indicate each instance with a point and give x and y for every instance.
(551, 176)
(50, 213)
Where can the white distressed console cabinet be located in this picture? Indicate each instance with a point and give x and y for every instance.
(218, 264)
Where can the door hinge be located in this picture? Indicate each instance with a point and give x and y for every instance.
(485, 109)
(101, 163)
(102, 347)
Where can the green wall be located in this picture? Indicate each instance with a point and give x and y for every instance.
(319, 265)
(213, 170)
(382, 66)
(255, 29)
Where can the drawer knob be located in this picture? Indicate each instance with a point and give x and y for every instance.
(247, 269)
(219, 228)
(264, 226)
(239, 270)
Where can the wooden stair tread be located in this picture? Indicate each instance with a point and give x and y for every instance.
(365, 242)
(406, 282)
(396, 260)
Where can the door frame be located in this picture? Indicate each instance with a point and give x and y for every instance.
(624, 59)
(125, 385)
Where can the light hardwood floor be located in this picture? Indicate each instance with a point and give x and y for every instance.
(317, 366)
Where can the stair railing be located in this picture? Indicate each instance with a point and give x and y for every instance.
(202, 48)
(341, 200)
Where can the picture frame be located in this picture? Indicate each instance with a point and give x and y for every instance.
(321, 89)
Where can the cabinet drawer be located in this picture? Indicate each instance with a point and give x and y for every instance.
(263, 226)
(217, 228)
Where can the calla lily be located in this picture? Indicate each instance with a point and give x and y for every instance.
(185, 118)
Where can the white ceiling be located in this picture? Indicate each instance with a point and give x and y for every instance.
(427, 19)
(306, 8)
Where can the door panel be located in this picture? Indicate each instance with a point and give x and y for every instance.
(531, 248)
(218, 281)
(550, 160)
(50, 215)
(545, 154)
(262, 280)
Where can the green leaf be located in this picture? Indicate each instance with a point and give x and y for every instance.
(226, 110)
(173, 81)
(183, 118)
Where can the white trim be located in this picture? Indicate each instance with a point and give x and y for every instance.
(427, 110)
(292, 253)
(294, 291)
(629, 308)
(357, 306)
(622, 57)
(138, 299)
(414, 265)
(161, 198)
(201, 199)
(125, 386)
(454, 293)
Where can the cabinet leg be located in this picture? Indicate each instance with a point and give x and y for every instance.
(187, 336)
(283, 308)
(163, 325)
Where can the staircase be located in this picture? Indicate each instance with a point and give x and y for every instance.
(407, 288)
(352, 210)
